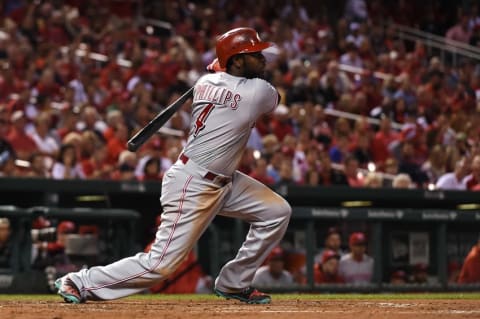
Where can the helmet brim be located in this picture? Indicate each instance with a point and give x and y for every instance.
(260, 46)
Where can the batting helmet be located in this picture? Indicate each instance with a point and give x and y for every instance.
(239, 40)
(66, 227)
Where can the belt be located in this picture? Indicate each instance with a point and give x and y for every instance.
(209, 175)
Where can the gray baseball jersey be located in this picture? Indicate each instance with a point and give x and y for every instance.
(217, 142)
(201, 184)
(356, 272)
(263, 278)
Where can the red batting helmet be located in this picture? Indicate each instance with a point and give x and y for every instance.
(357, 239)
(239, 40)
(66, 227)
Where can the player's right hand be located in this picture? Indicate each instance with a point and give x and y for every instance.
(214, 67)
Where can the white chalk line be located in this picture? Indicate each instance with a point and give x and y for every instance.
(413, 312)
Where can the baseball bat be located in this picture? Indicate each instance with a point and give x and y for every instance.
(157, 122)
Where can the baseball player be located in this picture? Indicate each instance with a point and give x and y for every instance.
(356, 267)
(204, 183)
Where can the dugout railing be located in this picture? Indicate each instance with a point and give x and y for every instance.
(112, 237)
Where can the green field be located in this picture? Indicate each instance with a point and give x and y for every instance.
(398, 296)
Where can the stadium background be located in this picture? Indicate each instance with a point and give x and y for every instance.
(91, 73)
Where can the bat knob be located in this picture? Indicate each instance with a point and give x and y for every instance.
(132, 147)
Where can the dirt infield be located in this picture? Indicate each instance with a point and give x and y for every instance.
(218, 308)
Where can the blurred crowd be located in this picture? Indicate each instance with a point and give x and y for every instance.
(78, 78)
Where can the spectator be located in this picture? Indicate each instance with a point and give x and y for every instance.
(402, 181)
(383, 138)
(329, 175)
(420, 274)
(125, 169)
(334, 83)
(281, 124)
(247, 161)
(38, 166)
(321, 129)
(333, 242)
(454, 180)
(8, 168)
(7, 154)
(5, 244)
(286, 174)
(470, 272)
(435, 166)
(88, 142)
(273, 274)
(67, 122)
(91, 120)
(22, 143)
(350, 165)
(45, 141)
(351, 57)
(361, 150)
(398, 277)
(339, 150)
(391, 168)
(373, 180)
(356, 267)
(117, 144)
(356, 10)
(473, 179)
(273, 168)
(461, 31)
(66, 166)
(95, 166)
(270, 145)
(154, 148)
(173, 152)
(326, 272)
(260, 172)
(409, 165)
(312, 178)
(151, 171)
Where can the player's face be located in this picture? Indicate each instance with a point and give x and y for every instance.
(331, 266)
(254, 65)
(358, 250)
(333, 241)
(276, 266)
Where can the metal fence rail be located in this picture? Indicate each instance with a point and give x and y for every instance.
(455, 50)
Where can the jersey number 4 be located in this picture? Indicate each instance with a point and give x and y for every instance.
(200, 122)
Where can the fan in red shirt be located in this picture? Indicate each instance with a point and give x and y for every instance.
(327, 271)
(117, 143)
(21, 142)
(381, 141)
(281, 125)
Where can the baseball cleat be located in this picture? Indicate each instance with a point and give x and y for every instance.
(67, 289)
(249, 295)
